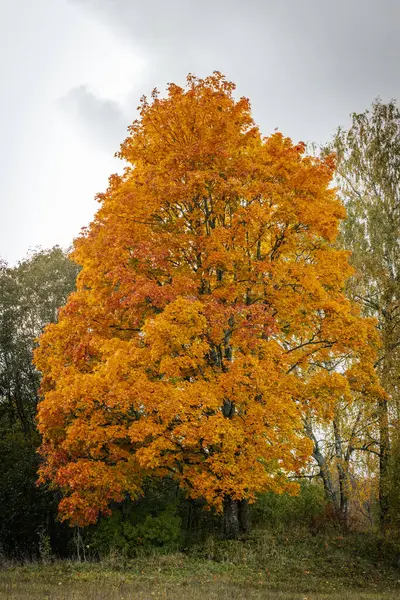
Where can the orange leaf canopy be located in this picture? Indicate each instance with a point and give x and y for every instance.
(209, 303)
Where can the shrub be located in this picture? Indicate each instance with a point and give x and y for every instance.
(282, 510)
(128, 535)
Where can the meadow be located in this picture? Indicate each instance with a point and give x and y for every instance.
(268, 565)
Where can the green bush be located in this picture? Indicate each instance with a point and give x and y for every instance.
(127, 535)
(282, 511)
(154, 521)
(161, 530)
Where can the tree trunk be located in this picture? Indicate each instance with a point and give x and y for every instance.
(383, 416)
(235, 518)
(383, 462)
(244, 521)
(342, 466)
(323, 467)
(231, 518)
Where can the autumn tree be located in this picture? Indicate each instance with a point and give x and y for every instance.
(368, 177)
(209, 303)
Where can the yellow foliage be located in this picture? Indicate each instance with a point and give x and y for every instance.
(210, 294)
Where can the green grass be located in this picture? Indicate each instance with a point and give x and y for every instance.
(267, 566)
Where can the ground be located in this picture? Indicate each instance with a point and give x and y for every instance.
(266, 567)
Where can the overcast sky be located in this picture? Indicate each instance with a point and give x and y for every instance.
(72, 72)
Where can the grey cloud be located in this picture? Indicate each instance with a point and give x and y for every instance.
(305, 65)
(104, 120)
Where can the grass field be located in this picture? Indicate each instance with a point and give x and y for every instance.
(265, 567)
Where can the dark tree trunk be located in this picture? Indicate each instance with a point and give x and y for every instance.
(244, 521)
(231, 518)
(383, 463)
(235, 518)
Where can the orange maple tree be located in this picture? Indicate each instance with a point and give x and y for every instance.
(209, 303)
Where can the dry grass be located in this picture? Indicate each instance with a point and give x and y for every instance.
(266, 567)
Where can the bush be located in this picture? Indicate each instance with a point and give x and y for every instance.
(282, 511)
(128, 535)
(154, 521)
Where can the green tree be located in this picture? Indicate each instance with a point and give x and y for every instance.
(368, 176)
(30, 295)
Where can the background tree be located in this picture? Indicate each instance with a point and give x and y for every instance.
(209, 304)
(339, 447)
(368, 176)
(30, 294)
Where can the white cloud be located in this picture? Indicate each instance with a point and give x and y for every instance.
(75, 69)
(57, 155)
